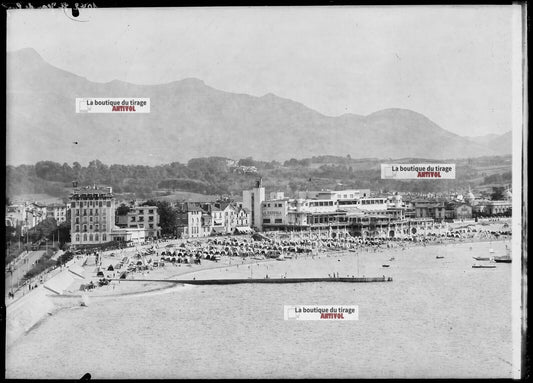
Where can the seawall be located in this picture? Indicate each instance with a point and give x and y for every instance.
(25, 313)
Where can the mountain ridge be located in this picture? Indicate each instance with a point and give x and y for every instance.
(192, 119)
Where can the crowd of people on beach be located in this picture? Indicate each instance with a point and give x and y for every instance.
(275, 245)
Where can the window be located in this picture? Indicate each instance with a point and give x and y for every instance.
(96, 211)
(90, 227)
(84, 227)
(96, 237)
(151, 219)
(141, 219)
(84, 211)
(99, 203)
(151, 211)
(77, 237)
(84, 237)
(141, 211)
(108, 203)
(77, 220)
(73, 204)
(278, 220)
(90, 237)
(266, 220)
(104, 237)
(77, 227)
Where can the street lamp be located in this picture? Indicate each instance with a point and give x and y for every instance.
(11, 272)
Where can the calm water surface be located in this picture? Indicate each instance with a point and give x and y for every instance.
(439, 318)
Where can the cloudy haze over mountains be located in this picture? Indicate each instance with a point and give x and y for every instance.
(191, 119)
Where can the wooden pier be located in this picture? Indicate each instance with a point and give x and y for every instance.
(234, 281)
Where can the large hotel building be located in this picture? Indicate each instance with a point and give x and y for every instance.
(92, 215)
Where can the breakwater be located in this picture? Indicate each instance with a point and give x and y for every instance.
(234, 281)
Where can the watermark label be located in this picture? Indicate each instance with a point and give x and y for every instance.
(418, 171)
(314, 312)
(112, 105)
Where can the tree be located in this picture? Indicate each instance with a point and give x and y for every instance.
(168, 217)
(63, 232)
(43, 230)
(122, 209)
(248, 161)
(497, 193)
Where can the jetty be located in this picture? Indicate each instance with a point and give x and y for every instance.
(234, 281)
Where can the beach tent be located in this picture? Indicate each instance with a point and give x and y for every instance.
(110, 268)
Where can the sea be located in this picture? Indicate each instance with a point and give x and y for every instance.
(438, 318)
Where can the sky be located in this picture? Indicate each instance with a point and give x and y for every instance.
(451, 63)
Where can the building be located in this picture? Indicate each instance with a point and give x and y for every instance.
(430, 209)
(229, 216)
(191, 222)
(140, 217)
(462, 211)
(147, 218)
(499, 207)
(243, 217)
(58, 212)
(343, 211)
(25, 215)
(15, 215)
(252, 200)
(129, 235)
(92, 215)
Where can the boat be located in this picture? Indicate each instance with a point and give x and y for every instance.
(504, 258)
(482, 258)
(440, 256)
(392, 259)
(385, 265)
(483, 266)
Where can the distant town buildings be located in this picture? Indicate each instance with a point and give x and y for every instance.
(93, 218)
(241, 169)
(25, 215)
(197, 220)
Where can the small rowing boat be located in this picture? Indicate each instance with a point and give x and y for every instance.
(483, 266)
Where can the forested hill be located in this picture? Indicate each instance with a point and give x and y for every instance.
(223, 176)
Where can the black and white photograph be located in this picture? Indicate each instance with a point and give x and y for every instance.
(265, 192)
